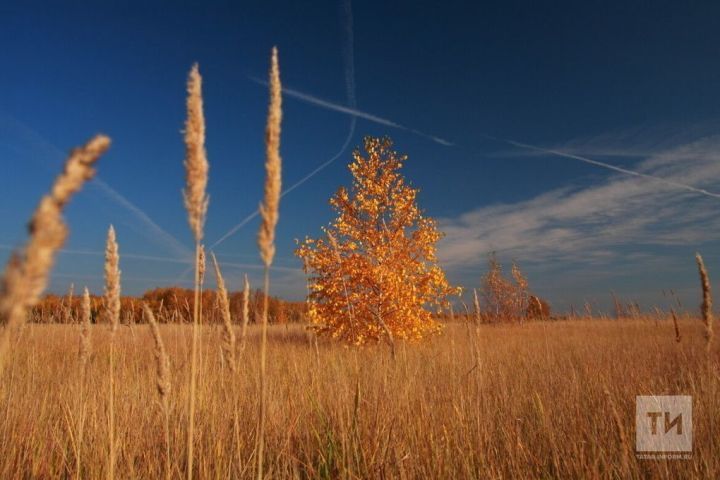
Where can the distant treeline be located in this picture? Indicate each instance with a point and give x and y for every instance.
(171, 305)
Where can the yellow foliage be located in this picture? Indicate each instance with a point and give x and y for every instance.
(375, 271)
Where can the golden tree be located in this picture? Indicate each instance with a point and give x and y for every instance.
(509, 300)
(374, 274)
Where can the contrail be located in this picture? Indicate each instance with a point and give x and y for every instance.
(608, 166)
(76, 277)
(35, 139)
(349, 58)
(328, 105)
(190, 261)
(67, 251)
(157, 231)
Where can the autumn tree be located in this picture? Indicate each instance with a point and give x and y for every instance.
(374, 273)
(504, 299)
(509, 299)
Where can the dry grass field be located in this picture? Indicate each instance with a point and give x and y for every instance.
(541, 400)
(376, 389)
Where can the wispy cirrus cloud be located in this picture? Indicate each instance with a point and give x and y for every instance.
(594, 223)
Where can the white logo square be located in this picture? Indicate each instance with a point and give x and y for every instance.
(663, 423)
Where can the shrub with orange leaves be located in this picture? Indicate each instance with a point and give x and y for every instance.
(506, 300)
(375, 274)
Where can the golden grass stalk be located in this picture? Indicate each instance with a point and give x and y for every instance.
(86, 319)
(26, 273)
(706, 307)
(196, 163)
(162, 360)
(675, 324)
(164, 384)
(196, 204)
(84, 354)
(111, 310)
(228, 338)
(245, 312)
(228, 346)
(112, 281)
(477, 307)
(202, 264)
(269, 211)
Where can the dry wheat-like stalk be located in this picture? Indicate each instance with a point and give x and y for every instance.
(245, 312)
(675, 324)
(86, 319)
(202, 264)
(112, 281)
(477, 307)
(196, 203)
(269, 211)
(111, 309)
(196, 163)
(162, 360)
(26, 274)
(164, 384)
(228, 338)
(706, 306)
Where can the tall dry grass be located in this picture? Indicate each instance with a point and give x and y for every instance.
(706, 306)
(26, 274)
(85, 349)
(269, 213)
(228, 337)
(111, 314)
(547, 400)
(196, 204)
(163, 381)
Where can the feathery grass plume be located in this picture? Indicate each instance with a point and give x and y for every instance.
(111, 310)
(706, 307)
(86, 319)
(477, 307)
(196, 203)
(266, 237)
(164, 385)
(162, 360)
(228, 339)
(84, 355)
(229, 352)
(112, 281)
(196, 163)
(539, 306)
(26, 274)
(675, 324)
(269, 209)
(202, 264)
(245, 312)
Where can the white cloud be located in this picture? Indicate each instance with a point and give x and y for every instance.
(595, 223)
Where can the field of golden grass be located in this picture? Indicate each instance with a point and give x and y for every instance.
(541, 400)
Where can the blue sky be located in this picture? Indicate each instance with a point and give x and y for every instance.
(623, 83)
